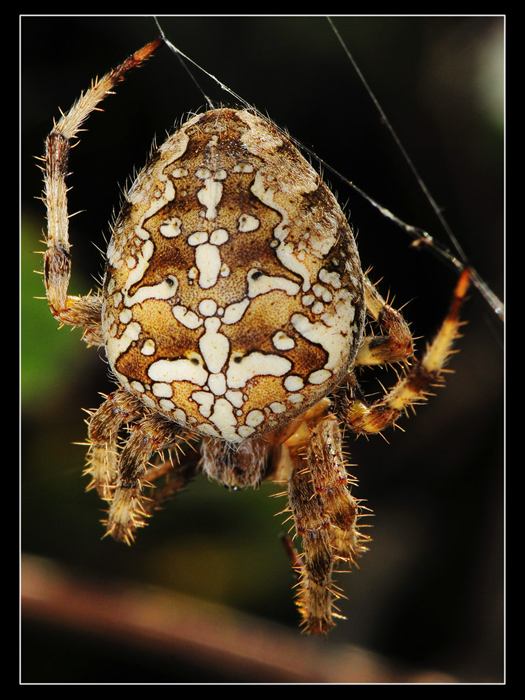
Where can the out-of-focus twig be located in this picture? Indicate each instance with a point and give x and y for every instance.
(211, 635)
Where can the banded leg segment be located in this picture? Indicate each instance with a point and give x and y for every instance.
(118, 409)
(396, 345)
(333, 485)
(120, 474)
(175, 478)
(325, 515)
(127, 513)
(75, 311)
(315, 598)
(413, 387)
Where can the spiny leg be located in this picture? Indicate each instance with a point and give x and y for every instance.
(176, 477)
(315, 598)
(414, 385)
(118, 409)
(396, 344)
(325, 515)
(75, 311)
(119, 475)
(333, 484)
(127, 512)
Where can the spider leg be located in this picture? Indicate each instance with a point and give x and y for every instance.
(333, 485)
(176, 477)
(325, 515)
(414, 385)
(127, 511)
(74, 311)
(120, 476)
(119, 408)
(396, 344)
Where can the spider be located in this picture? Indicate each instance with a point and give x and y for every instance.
(232, 314)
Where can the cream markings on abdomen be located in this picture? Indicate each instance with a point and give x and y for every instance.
(214, 346)
(242, 369)
(166, 289)
(207, 255)
(329, 334)
(284, 251)
(168, 371)
(210, 195)
(229, 233)
(259, 283)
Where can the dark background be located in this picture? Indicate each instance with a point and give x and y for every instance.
(429, 594)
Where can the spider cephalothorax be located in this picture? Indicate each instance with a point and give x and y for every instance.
(232, 314)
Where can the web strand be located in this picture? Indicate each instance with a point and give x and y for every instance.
(420, 238)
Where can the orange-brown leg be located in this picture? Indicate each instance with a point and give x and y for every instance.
(415, 384)
(324, 511)
(395, 344)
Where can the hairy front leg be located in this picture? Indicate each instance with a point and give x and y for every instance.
(74, 311)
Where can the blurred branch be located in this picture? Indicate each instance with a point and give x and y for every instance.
(211, 635)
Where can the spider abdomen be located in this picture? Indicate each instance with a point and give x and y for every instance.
(233, 298)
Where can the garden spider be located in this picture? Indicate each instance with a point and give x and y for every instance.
(232, 315)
